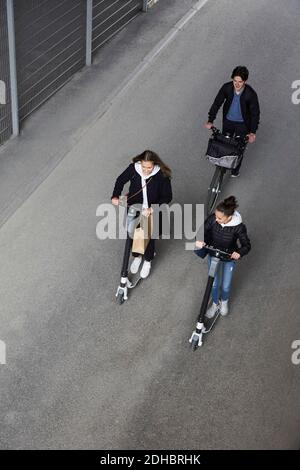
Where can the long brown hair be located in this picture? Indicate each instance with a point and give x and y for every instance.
(150, 156)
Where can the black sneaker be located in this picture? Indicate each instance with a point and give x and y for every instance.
(235, 174)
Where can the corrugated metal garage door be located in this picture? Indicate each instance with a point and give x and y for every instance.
(5, 106)
(109, 16)
(50, 47)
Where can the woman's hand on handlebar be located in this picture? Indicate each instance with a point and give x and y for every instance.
(115, 201)
(235, 255)
(200, 244)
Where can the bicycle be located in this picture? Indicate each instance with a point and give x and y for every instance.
(225, 152)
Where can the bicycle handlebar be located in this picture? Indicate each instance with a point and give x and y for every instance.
(215, 131)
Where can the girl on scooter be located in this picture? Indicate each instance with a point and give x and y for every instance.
(150, 184)
(225, 230)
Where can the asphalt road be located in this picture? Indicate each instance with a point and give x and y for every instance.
(83, 372)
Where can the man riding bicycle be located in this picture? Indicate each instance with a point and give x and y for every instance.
(240, 109)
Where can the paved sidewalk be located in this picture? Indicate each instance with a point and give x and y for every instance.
(84, 372)
(51, 132)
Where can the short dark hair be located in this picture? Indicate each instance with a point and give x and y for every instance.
(240, 71)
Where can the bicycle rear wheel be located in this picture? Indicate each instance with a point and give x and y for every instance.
(214, 189)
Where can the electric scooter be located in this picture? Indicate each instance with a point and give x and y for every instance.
(133, 217)
(216, 257)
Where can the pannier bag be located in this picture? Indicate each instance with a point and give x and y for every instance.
(224, 151)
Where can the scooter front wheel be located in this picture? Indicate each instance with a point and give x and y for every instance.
(194, 344)
(120, 298)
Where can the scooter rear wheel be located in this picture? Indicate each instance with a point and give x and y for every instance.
(194, 344)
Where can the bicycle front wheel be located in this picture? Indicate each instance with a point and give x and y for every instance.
(214, 190)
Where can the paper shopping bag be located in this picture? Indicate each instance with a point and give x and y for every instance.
(142, 235)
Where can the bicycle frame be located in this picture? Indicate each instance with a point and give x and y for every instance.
(216, 183)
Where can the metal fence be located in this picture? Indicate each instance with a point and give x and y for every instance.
(50, 48)
(44, 42)
(5, 102)
(109, 16)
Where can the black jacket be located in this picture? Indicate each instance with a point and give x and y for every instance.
(249, 105)
(159, 189)
(232, 238)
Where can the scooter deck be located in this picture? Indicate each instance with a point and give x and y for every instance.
(210, 322)
(134, 280)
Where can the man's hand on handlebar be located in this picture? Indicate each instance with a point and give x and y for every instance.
(251, 138)
(115, 201)
(208, 125)
(235, 255)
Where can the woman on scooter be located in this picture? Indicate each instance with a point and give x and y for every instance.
(150, 184)
(225, 230)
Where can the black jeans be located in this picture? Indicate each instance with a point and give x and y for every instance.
(235, 128)
(149, 252)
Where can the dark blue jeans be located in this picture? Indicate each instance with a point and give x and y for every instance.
(235, 128)
(223, 280)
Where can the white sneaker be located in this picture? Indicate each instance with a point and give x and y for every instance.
(145, 271)
(135, 264)
(224, 307)
(212, 310)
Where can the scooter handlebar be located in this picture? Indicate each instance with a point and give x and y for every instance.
(218, 253)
